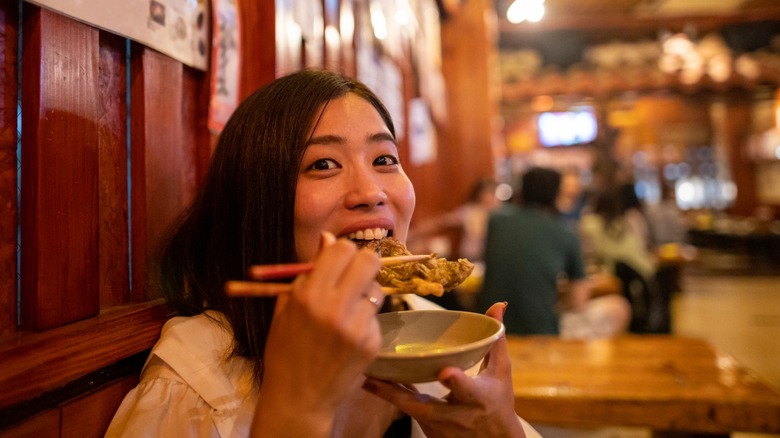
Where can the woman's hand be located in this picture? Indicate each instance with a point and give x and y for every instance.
(323, 336)
(476, 406)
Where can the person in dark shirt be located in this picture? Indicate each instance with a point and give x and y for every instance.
(529, 253)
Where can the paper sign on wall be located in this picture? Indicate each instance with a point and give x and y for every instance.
(225, 64)
(177, 28)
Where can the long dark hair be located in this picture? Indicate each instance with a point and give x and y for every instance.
(244, 213)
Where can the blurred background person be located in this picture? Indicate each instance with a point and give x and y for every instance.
(668, 237)
(572, 200)
(667, 223)
(615, 240)
(530, 254)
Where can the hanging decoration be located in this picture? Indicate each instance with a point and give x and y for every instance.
(225, 64)
(173, 27)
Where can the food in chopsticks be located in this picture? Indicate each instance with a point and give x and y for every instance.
(401, 273)
(432, 276)
(289, 270)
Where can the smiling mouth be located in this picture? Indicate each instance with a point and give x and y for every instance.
(363, 237)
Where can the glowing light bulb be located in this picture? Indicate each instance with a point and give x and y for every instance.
(522, 10)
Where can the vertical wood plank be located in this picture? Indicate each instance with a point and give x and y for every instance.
(112, 184)
(258, 44)
(59, 213)
(8, 204)
(90, 416)
(195, 96)
(161, 164)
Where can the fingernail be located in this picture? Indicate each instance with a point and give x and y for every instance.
(503, 311)
(327, 238)
(369, 386)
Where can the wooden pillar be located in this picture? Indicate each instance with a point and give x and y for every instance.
(469, 66)
(733, 128)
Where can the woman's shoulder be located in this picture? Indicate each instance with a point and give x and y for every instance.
(193, 332)
(198, 349)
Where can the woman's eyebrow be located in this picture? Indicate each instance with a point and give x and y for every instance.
(337, 139)
(326, 139)
(380, 137)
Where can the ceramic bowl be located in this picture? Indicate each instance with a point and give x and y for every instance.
(417, 344)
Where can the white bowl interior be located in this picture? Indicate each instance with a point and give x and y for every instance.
(416, 345)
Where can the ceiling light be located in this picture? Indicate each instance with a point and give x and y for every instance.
(522, 10)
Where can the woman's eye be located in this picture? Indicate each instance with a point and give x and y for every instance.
(323, 164)
(386, 160)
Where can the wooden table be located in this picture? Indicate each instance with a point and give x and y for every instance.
(667, 383)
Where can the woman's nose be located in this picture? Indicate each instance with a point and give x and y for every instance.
(365, 191)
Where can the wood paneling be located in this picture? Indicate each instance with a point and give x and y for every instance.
(45, 425)
(258, 44)
(8, 204)
(160, 159)
(112, 131)
(59, 171)
(76, 237)
(37, 363)
(90, 416)
(195, 109)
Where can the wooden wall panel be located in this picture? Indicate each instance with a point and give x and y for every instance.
(59, 263)
(8, 204)
(42, 362)
(195, 105)
(258, 44)
(112, 182)
(45, 425)
(90, 416)
(162, 165)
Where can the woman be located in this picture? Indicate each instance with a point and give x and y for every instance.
(620, 248)
(306, 158)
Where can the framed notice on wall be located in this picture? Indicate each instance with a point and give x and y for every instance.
(177, 28)
(225, 64)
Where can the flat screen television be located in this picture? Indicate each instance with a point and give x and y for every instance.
(575, 126)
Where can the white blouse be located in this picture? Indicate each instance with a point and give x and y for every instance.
(189, 367)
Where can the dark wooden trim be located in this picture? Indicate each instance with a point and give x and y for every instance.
(127, 369)
(9, 16)
(112, 155)
(35, 363)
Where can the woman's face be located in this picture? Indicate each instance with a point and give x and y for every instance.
(350, 181)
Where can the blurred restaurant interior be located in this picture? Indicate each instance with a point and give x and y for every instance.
(659, 93)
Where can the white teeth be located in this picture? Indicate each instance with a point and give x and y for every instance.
(368, 234)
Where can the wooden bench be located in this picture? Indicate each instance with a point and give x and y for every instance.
(672, 385)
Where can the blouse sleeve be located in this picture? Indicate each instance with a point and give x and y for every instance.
(162, 405)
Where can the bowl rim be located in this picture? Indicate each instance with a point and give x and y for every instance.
(488, 340)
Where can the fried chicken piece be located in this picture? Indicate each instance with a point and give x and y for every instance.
(427, 277)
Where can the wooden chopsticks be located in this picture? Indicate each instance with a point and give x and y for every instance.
(262, 288)
(237, 288)
(289, 270)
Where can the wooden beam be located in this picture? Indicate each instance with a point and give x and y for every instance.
(35, 363)
(633, 22)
